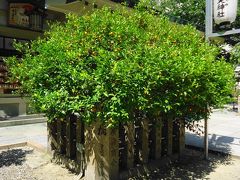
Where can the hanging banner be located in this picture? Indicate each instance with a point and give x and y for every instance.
(225, 11)
(18, 14)
(26, 15)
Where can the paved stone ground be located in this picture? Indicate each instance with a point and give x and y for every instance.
(223, 133)
(16, 134)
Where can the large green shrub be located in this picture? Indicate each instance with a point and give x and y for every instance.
(109, 65)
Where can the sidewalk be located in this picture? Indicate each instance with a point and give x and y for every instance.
(223, 133)
(36, 133)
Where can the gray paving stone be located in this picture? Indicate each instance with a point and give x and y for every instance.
(223, 133)
(16, 134)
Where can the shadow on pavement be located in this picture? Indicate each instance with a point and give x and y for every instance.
(13, 157)
(190, 166)
(216, 142)
(220, 143)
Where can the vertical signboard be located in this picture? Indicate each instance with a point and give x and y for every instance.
(225, 11)
(220, 12)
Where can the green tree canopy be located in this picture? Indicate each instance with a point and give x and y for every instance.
(187, 12)
(184, 11)
(109, 65)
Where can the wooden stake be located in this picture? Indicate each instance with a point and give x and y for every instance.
(144, 150)
(158, 138)
(181, 137)
(130, 132)
(102, 152)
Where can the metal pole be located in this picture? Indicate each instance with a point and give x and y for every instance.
(206, 138)
(238, 104)
(208, 19)
(208, 32)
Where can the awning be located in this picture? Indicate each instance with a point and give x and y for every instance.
(19, 33)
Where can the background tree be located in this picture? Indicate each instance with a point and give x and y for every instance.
(184, 11)
(193, 12)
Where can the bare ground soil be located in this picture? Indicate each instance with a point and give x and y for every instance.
(25, 163)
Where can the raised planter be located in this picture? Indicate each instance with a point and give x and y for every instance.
(103, 153)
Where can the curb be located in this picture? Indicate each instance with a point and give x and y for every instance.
(37, 146)
(22, 122)
(8, 146)
(31, 144)
(211, 151)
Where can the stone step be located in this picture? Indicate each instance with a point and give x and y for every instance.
(30, 116)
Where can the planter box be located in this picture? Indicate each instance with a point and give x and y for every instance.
(100, 153)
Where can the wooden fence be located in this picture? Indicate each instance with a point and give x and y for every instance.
(100, 153)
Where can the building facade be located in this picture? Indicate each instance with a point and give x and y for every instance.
(20, 21)
(23, 21)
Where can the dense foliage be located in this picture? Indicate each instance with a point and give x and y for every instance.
(130, 3)
(110, 65)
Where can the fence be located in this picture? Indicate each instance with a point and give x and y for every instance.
(103, 153)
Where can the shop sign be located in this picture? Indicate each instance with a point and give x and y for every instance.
(25, 15)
